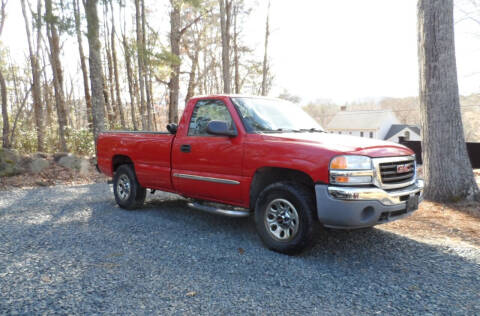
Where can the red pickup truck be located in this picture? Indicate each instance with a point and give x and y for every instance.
(240, 155)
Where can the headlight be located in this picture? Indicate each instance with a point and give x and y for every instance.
(351, 163)
(354, 170)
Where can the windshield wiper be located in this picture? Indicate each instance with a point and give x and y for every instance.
(313, 129)
(281, 130)
(288, 130)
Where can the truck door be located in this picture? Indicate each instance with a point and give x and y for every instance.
(204, 165)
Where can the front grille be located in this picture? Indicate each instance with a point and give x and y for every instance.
(391, 175)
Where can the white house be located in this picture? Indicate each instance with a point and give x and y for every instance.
(372, 124)
(408, 132)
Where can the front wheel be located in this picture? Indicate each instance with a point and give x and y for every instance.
(129, 194)
(284, 217)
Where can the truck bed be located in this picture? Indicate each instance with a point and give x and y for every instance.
(150, 152)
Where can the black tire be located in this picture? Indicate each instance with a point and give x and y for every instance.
(136, 194)
(300, 234)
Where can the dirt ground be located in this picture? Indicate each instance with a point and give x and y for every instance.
(53, 175)
(438, 223)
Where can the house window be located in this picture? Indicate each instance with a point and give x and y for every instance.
(371, 134)
(407, 135)
(361, 134)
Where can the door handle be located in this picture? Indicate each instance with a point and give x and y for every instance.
(185, 148)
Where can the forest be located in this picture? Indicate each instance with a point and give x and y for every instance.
(145, 74)
(135, 63)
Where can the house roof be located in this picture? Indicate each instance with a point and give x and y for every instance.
(396, 128)
(358, 120)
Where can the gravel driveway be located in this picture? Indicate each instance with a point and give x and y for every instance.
(72, 250)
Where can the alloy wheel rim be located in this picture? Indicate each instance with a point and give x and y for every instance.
(281, 220)
(123, 187)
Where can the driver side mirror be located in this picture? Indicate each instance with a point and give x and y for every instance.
(172, 128)
(220, 128)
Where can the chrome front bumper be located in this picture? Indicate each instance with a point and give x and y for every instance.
(391, 197)
(354, 207)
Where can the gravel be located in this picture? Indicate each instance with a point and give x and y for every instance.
(71, 250)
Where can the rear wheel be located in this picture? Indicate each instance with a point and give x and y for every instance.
(284, 217)
(129, 194)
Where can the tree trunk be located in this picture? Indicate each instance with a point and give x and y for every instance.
(96, 70)
(150, 92)
(174, 83)
(37, 92)
(192, 75)
(108, 106)
(446, 165)
(145, 70)
(265, 56)
(6, 124)
(141, 70)
(46, 90)
(83, 64)
(54, 41)
(225, 18)
(3, 90)
(17, 116)
(236, 57)
(131, 92)
(110, 99)
(115, 72)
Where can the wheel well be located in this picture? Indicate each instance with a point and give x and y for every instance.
(268, 175)
(119, 160)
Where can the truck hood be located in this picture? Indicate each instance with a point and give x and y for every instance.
(343, 143)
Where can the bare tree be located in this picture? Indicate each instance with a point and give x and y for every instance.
(447, 169)
(146, 69)
(225, 22)
(130, 79)
(265, 56)
(112, 109)
(54, 41)
(196, 38)
(115, 70)
(3, 86)
(236, 57)
(176, 33)
(35, 65)
(141, 64)
(96, 70)
(83, 64)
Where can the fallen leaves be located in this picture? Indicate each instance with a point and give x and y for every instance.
(460, 221)
(53, 175)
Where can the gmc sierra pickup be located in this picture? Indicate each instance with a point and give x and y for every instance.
(240, 155)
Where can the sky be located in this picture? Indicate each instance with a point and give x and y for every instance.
(350, 50)
(337, 50)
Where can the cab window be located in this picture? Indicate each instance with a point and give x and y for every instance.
(206, 111)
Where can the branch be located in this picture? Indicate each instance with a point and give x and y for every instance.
(2, 14)
(161, 81)
(24, 101)
(467, 16)
(192, 23)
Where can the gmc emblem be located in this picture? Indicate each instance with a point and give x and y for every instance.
(403, 168)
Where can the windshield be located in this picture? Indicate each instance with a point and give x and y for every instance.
(269, 115)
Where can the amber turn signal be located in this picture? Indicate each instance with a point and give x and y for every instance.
(339, 162)
(341, 179)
